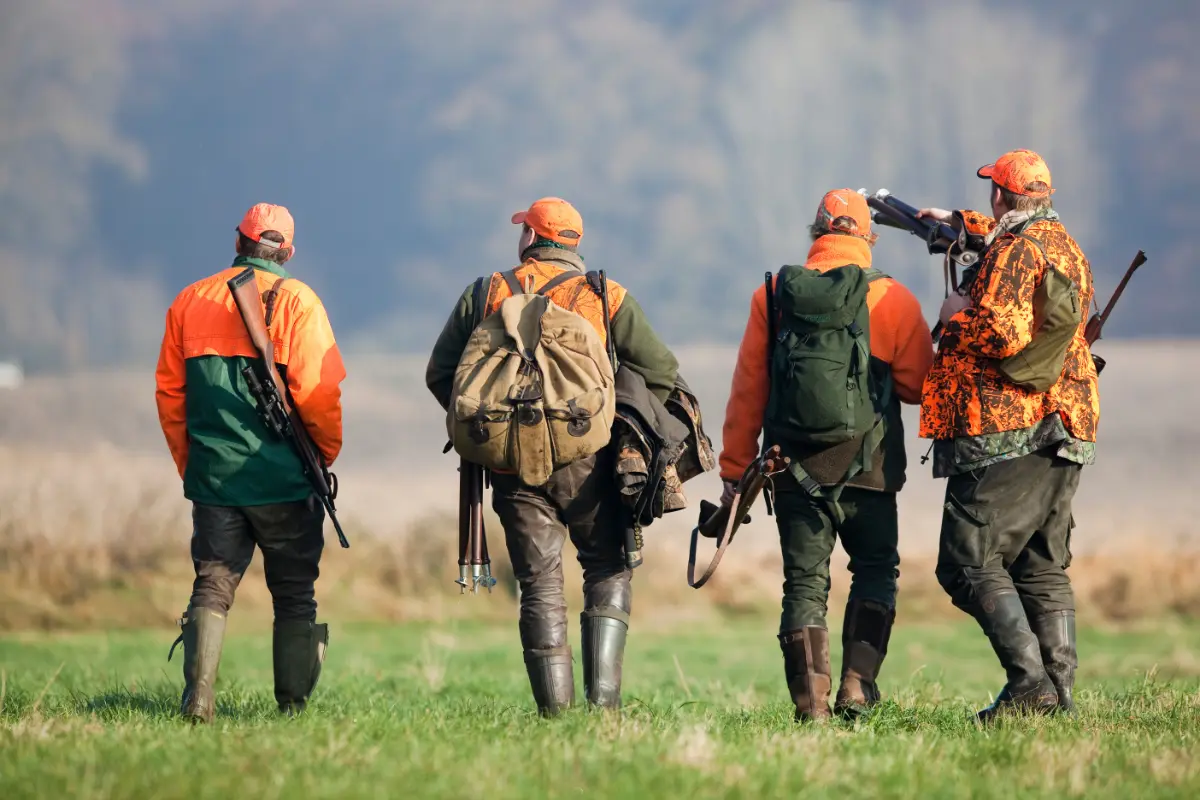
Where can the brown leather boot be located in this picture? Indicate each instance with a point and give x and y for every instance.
(865, 633)
(806, 666)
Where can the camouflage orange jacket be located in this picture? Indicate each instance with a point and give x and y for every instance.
(964, 394)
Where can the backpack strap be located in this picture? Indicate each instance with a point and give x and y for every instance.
(556, 281)
(873, 275)
(1036, 243)
(514, 284)
(271, 297)
(478, 299)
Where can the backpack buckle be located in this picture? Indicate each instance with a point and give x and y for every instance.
(477, 432)
(580, 423)
(528, 416)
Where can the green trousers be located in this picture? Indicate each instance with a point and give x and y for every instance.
(869, 535)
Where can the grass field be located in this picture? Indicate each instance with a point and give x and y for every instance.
(424, 711)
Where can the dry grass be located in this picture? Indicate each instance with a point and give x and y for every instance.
(102, 537)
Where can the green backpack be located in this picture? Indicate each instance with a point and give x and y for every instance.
(823, 392)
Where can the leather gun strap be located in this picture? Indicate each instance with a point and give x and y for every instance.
(722, 544)
(271, 297)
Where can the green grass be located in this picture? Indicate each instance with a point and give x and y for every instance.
(418, 711)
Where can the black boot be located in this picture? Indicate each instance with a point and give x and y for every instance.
(298, 651)
(806, 667)
(604, 633)
(865, 634)
(1029, 688)
(552, 678)
(202, 634)
(1056, 636)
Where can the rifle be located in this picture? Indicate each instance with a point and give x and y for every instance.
(1095, 325)
(723, 522)
(271, 396)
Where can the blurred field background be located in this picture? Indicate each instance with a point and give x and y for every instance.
(93, 528)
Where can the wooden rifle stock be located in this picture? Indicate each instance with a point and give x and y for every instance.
(1095, 325)
(271, 395)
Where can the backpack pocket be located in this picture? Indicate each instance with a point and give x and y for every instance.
(578, 426)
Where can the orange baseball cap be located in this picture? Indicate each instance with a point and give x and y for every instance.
(1016, 170)
(844, 211)
(552, 218)
(264, 217)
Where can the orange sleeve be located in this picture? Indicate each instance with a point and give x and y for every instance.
(314, 374)
(748, 395)
(170, 380)
(900, 336)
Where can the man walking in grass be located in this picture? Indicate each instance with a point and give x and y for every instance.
(1012, 406)
(247, 486)
(838, 486)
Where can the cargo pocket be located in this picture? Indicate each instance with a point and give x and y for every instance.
(1062, 556)
(966, 533)
(578, 427)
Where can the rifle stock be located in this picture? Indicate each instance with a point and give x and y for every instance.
(271, 396)
(1095, 325)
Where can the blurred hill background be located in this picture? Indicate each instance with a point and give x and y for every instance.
(695, 137)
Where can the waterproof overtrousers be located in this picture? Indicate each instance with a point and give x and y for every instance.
(202, 633)
(866, 629)
(298, 652)
(806, 667)
(1028, 689)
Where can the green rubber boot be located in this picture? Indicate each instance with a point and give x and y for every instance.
(604, 632)
(298, 651)
(202, 635)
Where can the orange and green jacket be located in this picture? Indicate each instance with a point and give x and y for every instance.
(965, 395)
(637, 345)
(224, 453)
(899, 337)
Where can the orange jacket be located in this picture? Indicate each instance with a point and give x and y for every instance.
(203, 403)
(965, 395)
(899, 336)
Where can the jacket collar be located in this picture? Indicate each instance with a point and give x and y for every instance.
(566, 258)
(833, 250)
(263, 264)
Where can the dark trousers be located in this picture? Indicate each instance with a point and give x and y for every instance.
(1008, 526)
(579, 500)
(869, 534)
(290, 537)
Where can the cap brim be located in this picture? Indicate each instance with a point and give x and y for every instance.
(519, 217)
(986, 171)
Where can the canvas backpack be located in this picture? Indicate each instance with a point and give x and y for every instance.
(1056, 319)
(534, 389)
(825, 398)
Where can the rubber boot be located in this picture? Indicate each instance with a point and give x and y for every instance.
(1055, 633)
(552, 678)
(806, 666)
(1029, 688)
(202, 633)
(297, 653)
(604, 633)
(865, 634)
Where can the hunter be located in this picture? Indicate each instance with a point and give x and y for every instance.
(579, 499)
(1013, 454)
(762, 401)
(247, 486)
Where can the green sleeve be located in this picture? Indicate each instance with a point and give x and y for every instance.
(639, 348)
(439, 374)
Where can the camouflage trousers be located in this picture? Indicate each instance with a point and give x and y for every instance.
(290, 537)
(578, 501)
(869, 535)
(1007, 526)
